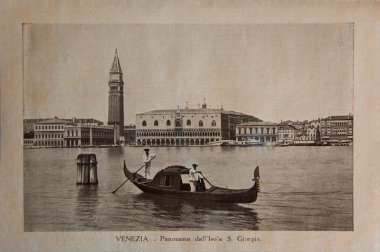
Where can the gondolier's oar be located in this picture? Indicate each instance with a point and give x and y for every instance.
(134, 172)
(206, 179)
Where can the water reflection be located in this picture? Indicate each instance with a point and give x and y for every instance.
(87, 202)
(205, 214)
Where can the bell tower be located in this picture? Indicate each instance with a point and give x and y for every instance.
(116, 99)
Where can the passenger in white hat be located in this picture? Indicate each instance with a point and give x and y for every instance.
(193, 173)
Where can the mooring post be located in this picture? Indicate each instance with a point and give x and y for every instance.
(87, 169)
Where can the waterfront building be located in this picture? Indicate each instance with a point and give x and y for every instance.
(336, 129)
(56, 132)
(188, 126)
(312, 133)
(286, 133)
(130, 134)
(116, 99)
(82, 135)
(49, 133)
(309, 136)
(266, 132)
(29, 127)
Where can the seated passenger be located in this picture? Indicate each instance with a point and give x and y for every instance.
(193, 173)
(201, 187)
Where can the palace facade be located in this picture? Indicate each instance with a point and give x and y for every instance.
(49, 133)
(187, 127)
(88, 135)
(337, 129)
(265, 132)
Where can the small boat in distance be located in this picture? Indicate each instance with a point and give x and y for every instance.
(246, 142)
(218, 143)
(171, 182)
(284, 144)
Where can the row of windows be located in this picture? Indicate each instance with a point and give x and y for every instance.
(336, 124)
(39, 127)
(71, 133)
(175, 142)
(102, 134)
(179, 134)
(49, 136)
(178, 123)
(49, 143)
(256, 130)
(286, 135)
(337, 131)
(87, 133)
(75, 142)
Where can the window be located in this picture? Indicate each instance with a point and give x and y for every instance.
(166, 180)
(200, 123)
(213, 123)
(144, 123)
(188, 122)
(155, 123)
(168, 123)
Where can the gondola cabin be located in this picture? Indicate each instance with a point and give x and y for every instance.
(172, 178)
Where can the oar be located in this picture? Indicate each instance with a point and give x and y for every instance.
(128, 178)
(206, 179)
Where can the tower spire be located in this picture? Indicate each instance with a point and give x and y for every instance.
(116, 68)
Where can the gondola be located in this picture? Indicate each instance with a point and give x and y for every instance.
(171, 183)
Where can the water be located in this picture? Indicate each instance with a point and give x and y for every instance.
(302, 188)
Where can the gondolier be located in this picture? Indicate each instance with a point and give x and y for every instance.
(193, 173)
(147, 157)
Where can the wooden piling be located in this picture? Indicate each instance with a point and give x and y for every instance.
(87, 169)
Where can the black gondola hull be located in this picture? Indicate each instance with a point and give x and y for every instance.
(215, 194)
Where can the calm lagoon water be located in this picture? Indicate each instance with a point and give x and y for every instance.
(302, 188)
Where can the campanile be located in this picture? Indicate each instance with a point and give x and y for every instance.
(116, 99)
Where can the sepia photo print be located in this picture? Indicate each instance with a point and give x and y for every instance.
(182, 127)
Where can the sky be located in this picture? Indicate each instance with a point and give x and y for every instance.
(272, 71)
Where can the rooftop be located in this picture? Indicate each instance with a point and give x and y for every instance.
(53, 121)
(258, 123)
(192, 111)
(339, 117)
(176, 169)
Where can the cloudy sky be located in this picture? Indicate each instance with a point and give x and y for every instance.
(272, 71)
